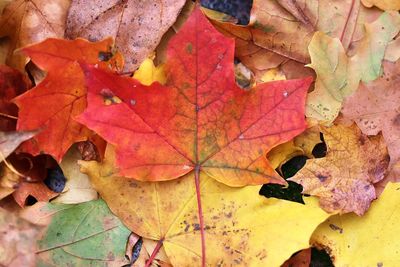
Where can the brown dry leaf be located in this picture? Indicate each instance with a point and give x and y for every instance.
(343, 180)
(31, 21)
(375, 107)
(17, 241)
(37, 190)
(136, 26)
(34, 171)
(284, 29)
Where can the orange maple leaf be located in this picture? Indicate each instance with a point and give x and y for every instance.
(53, 103)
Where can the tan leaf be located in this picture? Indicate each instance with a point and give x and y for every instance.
(375, 107)
(137, 26)
(31, 21)
(343, 180)
(78, 188)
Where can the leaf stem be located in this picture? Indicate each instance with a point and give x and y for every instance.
(200, 213)
(8, 116)
(154, 253)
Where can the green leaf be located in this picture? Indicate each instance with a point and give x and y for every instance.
(86, 234)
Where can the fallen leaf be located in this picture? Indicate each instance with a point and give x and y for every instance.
(33, 171)
(375, 108)
(302, 144)
(392, 52)
(370, 240)
(9, 141)
(37, 190)
(343, 180)
(12, 83)
(136, 26)
(78, 188)
(338, 76)
(147, 73)
(53, 103)
(9, 181)
(244, 228)
(85, 234)
(17, 240)
(200, 121)
(298, 20)
(300, 259)
(31, 21)
(382, 4)
(148, 246)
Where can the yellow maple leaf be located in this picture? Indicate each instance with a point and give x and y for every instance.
(241, 227)
(370, 240)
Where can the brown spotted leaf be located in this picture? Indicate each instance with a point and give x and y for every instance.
(344, 179)
(375, 107)
(137, 26)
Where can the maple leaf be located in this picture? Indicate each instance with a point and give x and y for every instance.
(371, 240)
(17, 241)
(97, 238)
(200, 119)
(31, 21)
(236, 219)
(12, 83)
(374, 107)
(136, 26)
(338, 75)
(53, 103)
(263, 44)
(343, 180)
(200, 122)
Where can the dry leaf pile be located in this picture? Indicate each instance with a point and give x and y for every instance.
(141, 133)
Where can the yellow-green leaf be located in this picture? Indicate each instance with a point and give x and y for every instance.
(338, 75)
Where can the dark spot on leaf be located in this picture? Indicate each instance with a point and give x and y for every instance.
(322, 177)
(196, 226)
(189, 48)
(105, 56)
(396, 120)
(336, 228)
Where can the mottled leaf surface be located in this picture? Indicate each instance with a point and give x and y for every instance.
(343, 180)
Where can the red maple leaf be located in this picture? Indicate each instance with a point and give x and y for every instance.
(53, 103)
(200, 121)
